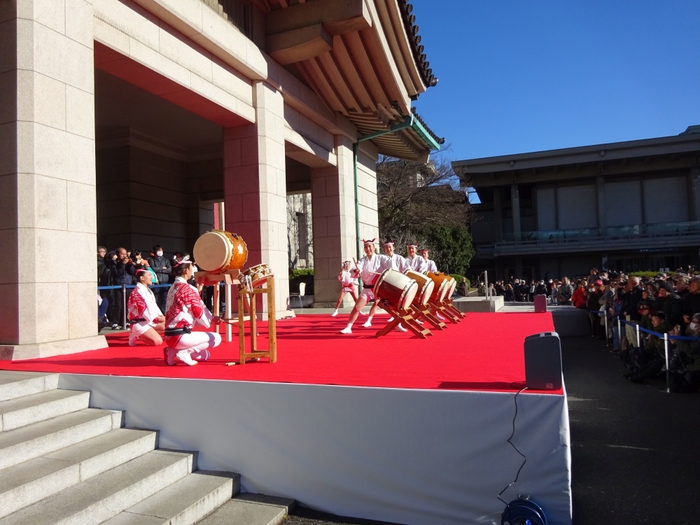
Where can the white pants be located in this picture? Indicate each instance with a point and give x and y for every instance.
(196, 343)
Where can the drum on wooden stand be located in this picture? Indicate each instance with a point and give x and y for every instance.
(442, 284)
(425, 287)
(396, 288)
(217, 251)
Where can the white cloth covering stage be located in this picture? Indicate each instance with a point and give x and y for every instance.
(416, 457)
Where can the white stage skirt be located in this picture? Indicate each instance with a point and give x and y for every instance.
(416, 457)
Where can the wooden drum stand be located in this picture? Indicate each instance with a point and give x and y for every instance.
(401, 316)
(249, 295)
(229, 278)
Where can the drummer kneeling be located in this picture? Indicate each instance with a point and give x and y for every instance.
(184, 310)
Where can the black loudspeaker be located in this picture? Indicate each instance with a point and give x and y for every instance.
(543, 361)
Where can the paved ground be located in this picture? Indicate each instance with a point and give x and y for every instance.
(635, 448)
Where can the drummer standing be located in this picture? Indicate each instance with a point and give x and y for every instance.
(390, 261)
(367, 269)
(430, 265)
(413, 261)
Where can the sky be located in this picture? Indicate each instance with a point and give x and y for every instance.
(518, 76)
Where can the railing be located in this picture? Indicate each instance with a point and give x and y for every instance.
(617, 232)
(123, 288)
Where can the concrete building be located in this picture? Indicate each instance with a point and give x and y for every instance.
(123, 121)
(624, 206)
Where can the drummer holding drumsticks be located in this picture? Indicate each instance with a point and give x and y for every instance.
(185, 309)
(368, 269)
(391, 261)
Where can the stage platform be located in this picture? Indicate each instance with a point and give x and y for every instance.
(395, 428)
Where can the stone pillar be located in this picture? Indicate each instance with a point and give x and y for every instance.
(255, 187)
(600, 192)
(333, 204)
(47, 179)
(497, 215)
(694, 194)
(515, 204)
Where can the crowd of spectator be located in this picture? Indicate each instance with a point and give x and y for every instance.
(118, 267)
(662, 304)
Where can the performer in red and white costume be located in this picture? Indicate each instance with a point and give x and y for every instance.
(348, 281)
(146, 320)
(368, 269)
(185, 309)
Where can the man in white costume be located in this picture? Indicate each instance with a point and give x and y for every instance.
(368, 269)
(430, 265)
(413, 260)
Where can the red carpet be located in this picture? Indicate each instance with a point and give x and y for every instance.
(483, 352)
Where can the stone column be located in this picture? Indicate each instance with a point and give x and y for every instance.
(600, 193)
(255, 187)
(515, 204)
(497, 215)
(333, 204)
(694, 194)
(47, 179)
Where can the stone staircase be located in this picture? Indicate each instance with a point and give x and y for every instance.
(62, 462)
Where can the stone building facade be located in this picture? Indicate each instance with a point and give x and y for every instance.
(123, 121)
(625, 206)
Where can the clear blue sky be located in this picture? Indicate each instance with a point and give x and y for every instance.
(518, 76)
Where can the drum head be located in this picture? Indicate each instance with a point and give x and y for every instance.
(212, 251)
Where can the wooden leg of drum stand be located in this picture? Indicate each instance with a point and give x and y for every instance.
(227, 292)
(438, 308)
(424, 313)
(271, 319)
(451, 307)
(404, 317)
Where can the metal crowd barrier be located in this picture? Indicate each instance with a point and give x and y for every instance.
(123, 288)
(666, 337)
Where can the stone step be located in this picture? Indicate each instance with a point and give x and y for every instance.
(25, 443)
(106, 495)
(185, 501)
(19, 384)
(250, 509)
(23, 411)
(38, 478)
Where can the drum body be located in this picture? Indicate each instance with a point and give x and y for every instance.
(396, 288)
(258, 272)
(217, 251)
(425, 287)
(442, 284)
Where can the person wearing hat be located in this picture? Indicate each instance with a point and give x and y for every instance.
(185, 310)
(654, 350)
(347, 285)
(669, 303)
(413, 260)
(430, 265)
(146, 320)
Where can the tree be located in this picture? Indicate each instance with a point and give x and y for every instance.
(416, 202)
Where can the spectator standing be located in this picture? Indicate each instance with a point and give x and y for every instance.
(123, 271)
(670, 304)
(565, 292)
(163, 269)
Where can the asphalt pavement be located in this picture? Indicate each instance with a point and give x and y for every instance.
(635, 447)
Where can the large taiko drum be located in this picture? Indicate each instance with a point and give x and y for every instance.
(396, 288)
(442, 285)
(217, 251)
(425, 287)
